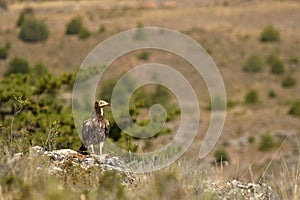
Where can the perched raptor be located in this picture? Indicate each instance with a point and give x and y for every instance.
(96, 129)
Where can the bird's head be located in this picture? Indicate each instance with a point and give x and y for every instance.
(101, 104)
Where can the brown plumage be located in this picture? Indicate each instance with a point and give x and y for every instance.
(96, 129)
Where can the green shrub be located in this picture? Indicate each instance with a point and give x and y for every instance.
(144, 55)
(294, 60)
(221, 155)
(270, 34)
(295, 108)
(4, 50)
(267, 142)
(17, 66)
(276, 64)
(74, 26)
(102, 28)
(231, 103)
(39, 69)
(84, 33)
(254, 63)
(252, 97)
(25, 12)
(272, 94)
(251, 139)
(33, 30)
(139, 25)
(288, 81)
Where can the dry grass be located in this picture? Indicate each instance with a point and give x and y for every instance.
(30, 179)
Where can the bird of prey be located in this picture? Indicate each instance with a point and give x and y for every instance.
(96, 129)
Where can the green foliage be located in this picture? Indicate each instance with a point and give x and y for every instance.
(254, 63)
(231, 103)
(24, 13)
(272, 94)
(276, 64)
(267, 142)
(84, 33)
(47, 119)
(295, 108)
(33, 30)
(270, 34)
(294, 60)
(54, 131)
(288, 81)
(221, 155)
(4, 50)
(144, 55)
(36, 118)
(74, 26)
(102, 28)
(252, 97)
(139, 25)
(251, 139)
(17, 66)
(39, 69)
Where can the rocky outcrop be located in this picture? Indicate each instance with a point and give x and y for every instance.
(58, 159)
(65, 163)
(239, 190)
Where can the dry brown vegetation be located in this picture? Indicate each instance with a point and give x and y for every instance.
(230, 32)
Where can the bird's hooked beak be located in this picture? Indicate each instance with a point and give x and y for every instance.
(103, 103)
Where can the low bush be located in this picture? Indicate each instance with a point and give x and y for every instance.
(144, 55)
(39, 69)
(277, 66)
(252, 96)
(17, 66)
(231, 103)
(221, 155)
(102, 28)
(251, 139)
(272, 94)
(267, 142)
(24, 13)
(254, 63)
(270, 34)
(288, 81)
(4, 50)
(84, 33)
(74, 26)
(295, 108)
(294, 60)
(33, 30)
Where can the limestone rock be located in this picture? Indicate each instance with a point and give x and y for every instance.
(57, 159)
(239, 190)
